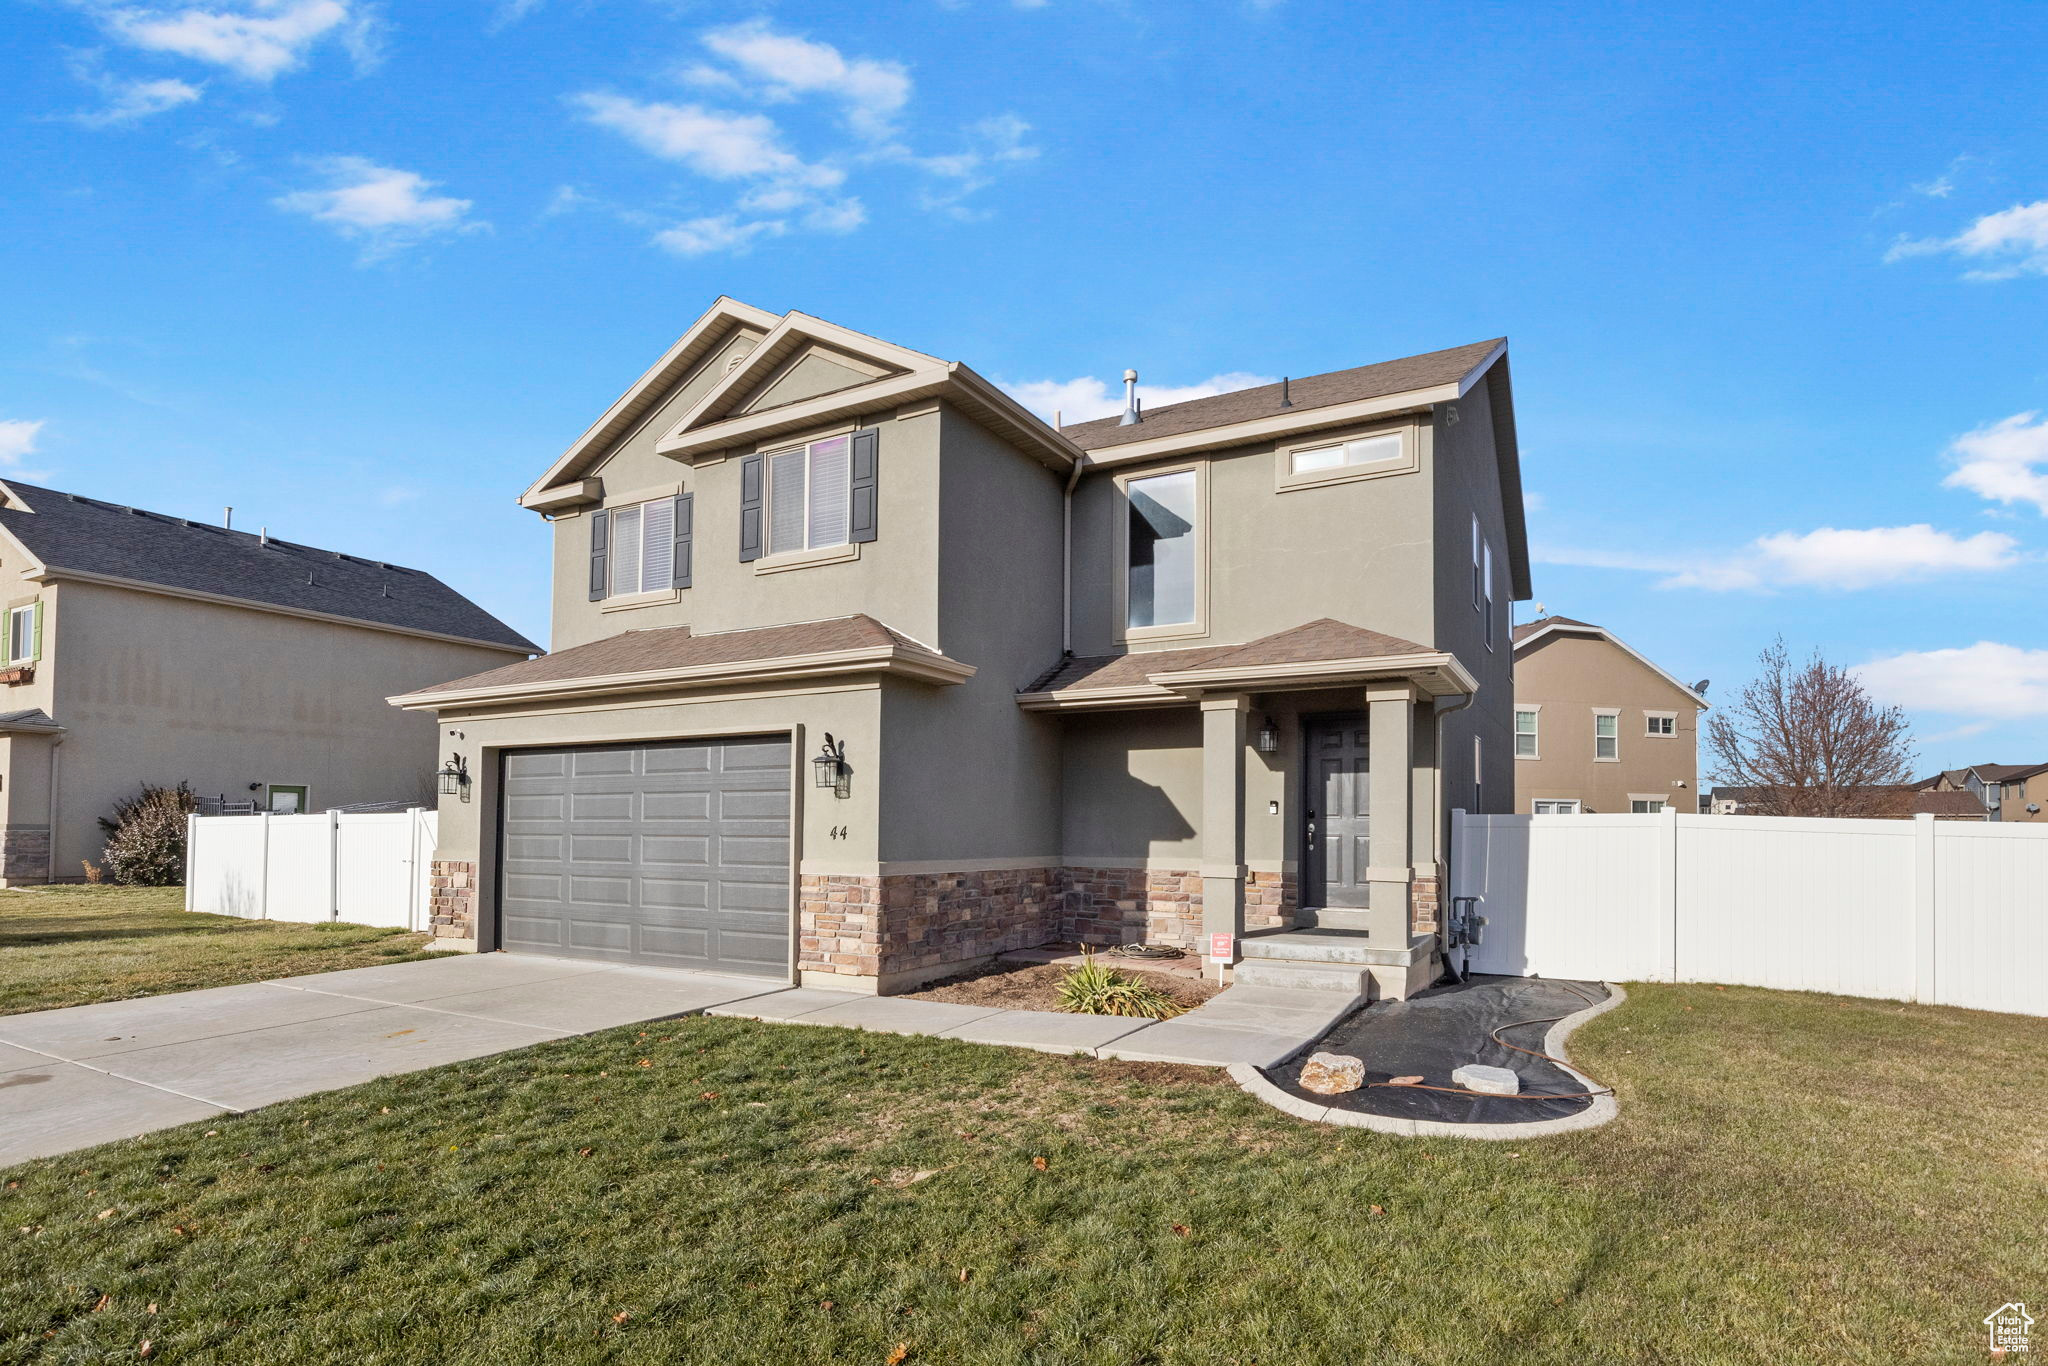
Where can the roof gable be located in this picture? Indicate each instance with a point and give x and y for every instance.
(1531, 634)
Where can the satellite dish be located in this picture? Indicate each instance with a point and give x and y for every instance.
(1701, 686)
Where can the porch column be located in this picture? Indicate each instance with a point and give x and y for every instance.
(1390, 709)
(1223, 734)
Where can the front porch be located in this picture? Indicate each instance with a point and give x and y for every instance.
(1283, 795)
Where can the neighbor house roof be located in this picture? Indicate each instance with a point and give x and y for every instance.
(1427, 371)
(1317, 652)
(1528, 633)
(1955, 805)
(674, 657)
(72, 536)
(2005, 773)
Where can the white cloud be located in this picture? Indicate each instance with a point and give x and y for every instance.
(1829, 557)
(785, 66)
(257, 39)
(1987, 679)
(712, 143)
(1080, 400)
(382, 205)
(18, 439)
(2005, 461)
(2011, 242)
(129, 101)
(701, 236)
(990, 143)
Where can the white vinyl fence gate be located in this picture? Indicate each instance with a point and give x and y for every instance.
(1946, 912)
(368, 869)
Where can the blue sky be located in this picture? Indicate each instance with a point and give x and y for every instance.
(1773, 275)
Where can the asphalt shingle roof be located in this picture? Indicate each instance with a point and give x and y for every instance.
(69, 531)
(1425, 371)
(1324, 638)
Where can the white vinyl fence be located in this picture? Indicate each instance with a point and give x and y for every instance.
(368, 869)
(1949, 912)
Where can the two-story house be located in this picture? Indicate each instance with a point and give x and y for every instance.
(862, 672)
(2006, 792)
(1598, 727)
(146, 648)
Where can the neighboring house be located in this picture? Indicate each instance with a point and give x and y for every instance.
(1223, 668)
(1889, 802)
(143, 648)
(1599, 728)
(2007, 792)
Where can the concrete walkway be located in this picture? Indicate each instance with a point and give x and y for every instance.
(90, 1074)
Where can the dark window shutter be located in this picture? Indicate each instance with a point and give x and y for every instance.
(600, 545)
(682, 579)
(751, 469)
(861, 488)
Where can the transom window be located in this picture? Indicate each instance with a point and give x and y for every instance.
(1161, 565)
(809, 496)
(21, 634)
(1607, 735)
(1556, 808)
(643, 547)
(1525, 732)
(1660, 723)
(1363, 450)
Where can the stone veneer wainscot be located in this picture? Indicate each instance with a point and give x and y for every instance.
(451, 898)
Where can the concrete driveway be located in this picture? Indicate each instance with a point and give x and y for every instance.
(90, 1074)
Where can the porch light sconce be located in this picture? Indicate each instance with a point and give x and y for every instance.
(1269, 737)
(830, 768)
(455, 778)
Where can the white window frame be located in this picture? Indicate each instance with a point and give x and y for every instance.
(773, 558)
(1405, 458)
(1477, 541)
(1615, 757)
(1120, 558)
(1478, 775)
(1566, 806)
(1486, 579)
(614, 595)
(22, 620)
(1650, 732)
(1535, 731)
(1656, 803)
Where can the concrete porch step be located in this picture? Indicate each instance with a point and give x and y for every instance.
(1352, 979)
(1319, 946)
(1329, 919)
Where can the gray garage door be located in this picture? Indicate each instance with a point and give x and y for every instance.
(673, 855)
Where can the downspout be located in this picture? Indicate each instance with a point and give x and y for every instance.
(1443, 891)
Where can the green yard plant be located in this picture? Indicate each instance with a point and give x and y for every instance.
(1097, 989)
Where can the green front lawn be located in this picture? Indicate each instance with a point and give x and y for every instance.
(70, 946)
(1793, 1178)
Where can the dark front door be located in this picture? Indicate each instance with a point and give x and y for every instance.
(674, 855)
(1336, 811)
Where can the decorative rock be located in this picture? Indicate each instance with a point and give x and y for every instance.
(1488, 1081)
(1329, 1074)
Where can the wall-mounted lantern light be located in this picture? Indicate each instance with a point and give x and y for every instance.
(1269, 737)
(455, 778)
(829, 767)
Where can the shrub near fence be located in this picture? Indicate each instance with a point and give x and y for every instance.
(367, 869)
(1946, 912)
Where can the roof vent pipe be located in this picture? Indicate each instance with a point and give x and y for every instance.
(227, 518)
(1286, 399)
(1132, 415)
(263, 536)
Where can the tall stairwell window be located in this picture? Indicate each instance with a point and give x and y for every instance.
(1162, 565)
(808, 496)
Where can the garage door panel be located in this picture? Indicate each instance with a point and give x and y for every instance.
(675, 854)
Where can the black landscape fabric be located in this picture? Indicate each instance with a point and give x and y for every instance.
(1435, 1032)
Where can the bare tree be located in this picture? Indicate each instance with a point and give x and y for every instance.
(1807, 740)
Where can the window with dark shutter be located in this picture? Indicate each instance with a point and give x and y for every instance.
(683, 525)
(861, 490)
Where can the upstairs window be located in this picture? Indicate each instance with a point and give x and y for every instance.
(22, 635)
(643, 547)
(1660, 723)
(1478, 572)
(809, 496)
(1645, 806)
(1486, 588)
(1162, 566)
(1607, 737)
(1525, 733)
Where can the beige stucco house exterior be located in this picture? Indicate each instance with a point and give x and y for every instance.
(143, 648)
(1599, 728)
(2006, 792)
(1221, 668)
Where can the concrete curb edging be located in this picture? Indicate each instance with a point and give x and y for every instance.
(1254, 1082)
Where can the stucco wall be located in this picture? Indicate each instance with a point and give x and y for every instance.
(894, 578)
(161, 689)
(1569, 676)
